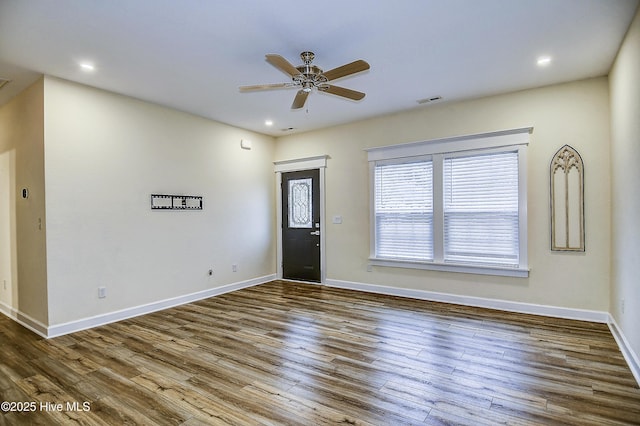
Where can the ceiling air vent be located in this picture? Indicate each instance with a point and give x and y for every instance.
(3, 82)
(429, 100)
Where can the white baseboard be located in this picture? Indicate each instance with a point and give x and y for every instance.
(23, 319)
(629, 354)
(528, 308)
(525, 308)
(98, 320)
(480, 302)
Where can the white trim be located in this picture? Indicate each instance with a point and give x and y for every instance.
(523, 218)
(451, 267)
(323, 228)
(23, 319)
(480, 302)
(279, 258)
(372, 211)
(438, 208)
(309, 163)
(288, 280)
(295, 165)
(627, 352)
(452, 144)
(632, 359)
(103, 319)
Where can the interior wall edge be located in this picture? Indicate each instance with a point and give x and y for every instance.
(23, 319)
(633, 361)
(107, 318)
(517, 307)
(103, 319)
(478, 302)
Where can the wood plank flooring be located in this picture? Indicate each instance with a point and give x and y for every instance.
(285, 353)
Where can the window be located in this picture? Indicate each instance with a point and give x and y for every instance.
(404, 210)
(455, 204)
(481, 209)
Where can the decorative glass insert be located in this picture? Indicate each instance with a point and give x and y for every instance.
(300, 203)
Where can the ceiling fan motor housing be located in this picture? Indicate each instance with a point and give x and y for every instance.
(310, 75)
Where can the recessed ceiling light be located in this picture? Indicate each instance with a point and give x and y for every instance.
(543, 61)
(86, 66)
(268, 123)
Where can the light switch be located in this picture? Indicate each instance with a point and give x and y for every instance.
(337, 220)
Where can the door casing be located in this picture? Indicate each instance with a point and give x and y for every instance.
(320, 163)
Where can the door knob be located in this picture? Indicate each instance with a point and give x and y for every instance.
(315, 233)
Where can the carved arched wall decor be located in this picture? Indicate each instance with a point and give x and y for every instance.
(567, 200)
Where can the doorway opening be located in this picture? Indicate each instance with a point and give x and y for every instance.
(300, 215)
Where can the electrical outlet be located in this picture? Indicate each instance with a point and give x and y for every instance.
(102, 292)
(4, 284)
(622, 306)
(234, 267)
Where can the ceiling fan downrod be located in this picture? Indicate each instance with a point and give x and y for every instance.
(307, 57)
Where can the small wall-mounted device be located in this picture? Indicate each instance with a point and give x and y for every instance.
(25, 193)
(245, 144)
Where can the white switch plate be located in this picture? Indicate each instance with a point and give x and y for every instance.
(337, 219)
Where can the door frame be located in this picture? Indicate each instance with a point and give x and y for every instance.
(296, 165)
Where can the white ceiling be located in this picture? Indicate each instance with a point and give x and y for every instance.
(192, 55)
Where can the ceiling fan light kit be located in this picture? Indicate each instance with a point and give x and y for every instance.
(308, 76)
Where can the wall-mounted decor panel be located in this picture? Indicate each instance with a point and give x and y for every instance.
(175, 202)
(567, 200)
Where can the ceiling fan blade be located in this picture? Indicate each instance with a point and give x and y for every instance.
(341, 91)
(265, 86)
(282, 64)
(300, 99)
(348, 69)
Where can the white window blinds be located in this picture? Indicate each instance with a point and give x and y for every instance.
(454, 204)
(481, 209)
(404, 210)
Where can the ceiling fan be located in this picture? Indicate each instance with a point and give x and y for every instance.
(307, 76)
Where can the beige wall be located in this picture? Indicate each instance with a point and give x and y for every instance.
(625, 186)
(22, 240)
(105, 155)
(575, 113)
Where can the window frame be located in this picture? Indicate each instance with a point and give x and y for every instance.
(503, 141)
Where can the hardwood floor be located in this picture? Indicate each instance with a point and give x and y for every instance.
(284, 353)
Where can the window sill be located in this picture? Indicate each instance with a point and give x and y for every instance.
(449, 267)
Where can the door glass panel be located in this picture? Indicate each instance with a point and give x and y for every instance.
(300, 204)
